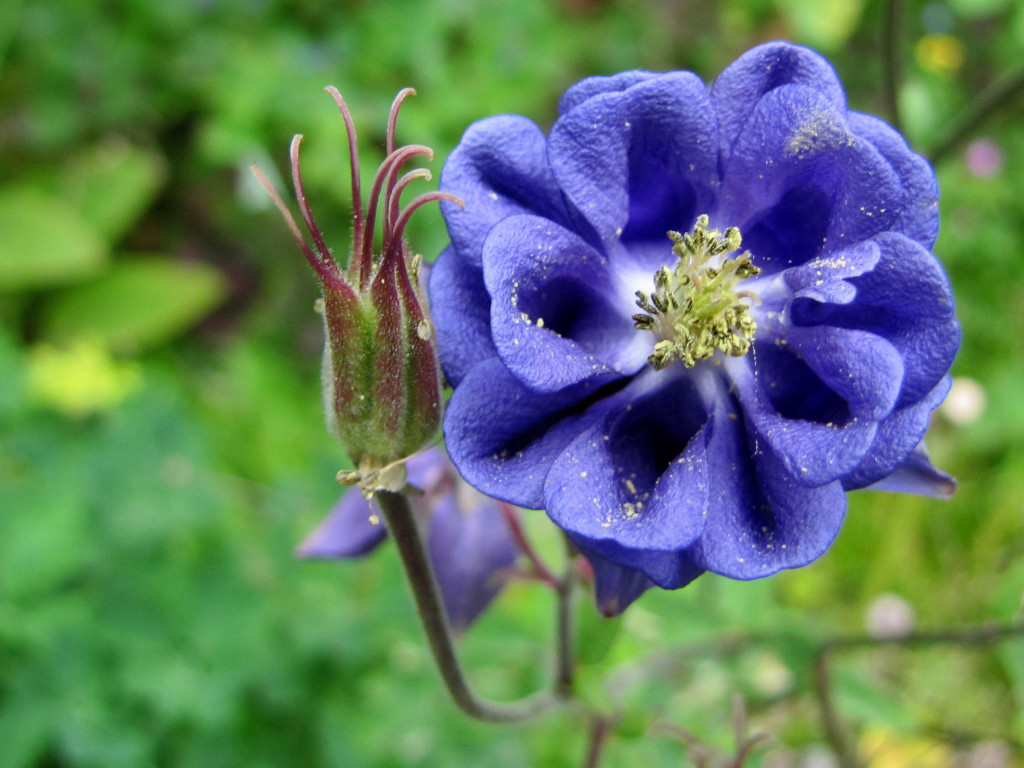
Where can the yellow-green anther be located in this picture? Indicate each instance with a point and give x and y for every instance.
(694, 308)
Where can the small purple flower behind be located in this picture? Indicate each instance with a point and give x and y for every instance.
(470, 544)
(689, 319)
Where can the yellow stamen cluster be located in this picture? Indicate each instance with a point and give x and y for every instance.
(694, 309)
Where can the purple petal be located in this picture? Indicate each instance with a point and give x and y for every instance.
(826, 279)
(503, 436)
(761, 70)
(906, 300)
(668, 570)
(802, 423)
(351, 529)
(898, 435)
(917, 475)
(460, 310)
(427, 470)
(555, 314)
(799, 182)
(594, 86)
(499, 169)
(638, 162)
(616, 587)
(863, 369)
(470, 549)
(760, 519)
(638, 477)
(919, 217)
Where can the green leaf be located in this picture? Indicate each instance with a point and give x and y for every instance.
(44, 241)
(12, 371)
(825, 24)
(44, 540)
(589, 685)
(858, 699)
(112, 184)
(973, 9)
(139, 303)
(24, 729)
(1011, 653)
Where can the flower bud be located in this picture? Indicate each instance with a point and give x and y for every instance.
(381, 377)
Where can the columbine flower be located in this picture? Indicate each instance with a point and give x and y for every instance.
(470, 544)
(381, 381)
(689, 319)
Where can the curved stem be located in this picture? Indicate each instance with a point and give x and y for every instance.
(427, 595)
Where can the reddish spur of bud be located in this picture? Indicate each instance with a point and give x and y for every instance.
(381, 377)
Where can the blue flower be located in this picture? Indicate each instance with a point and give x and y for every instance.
(689, 319)
(469, 541)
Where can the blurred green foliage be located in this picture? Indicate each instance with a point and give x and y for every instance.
(161, 445)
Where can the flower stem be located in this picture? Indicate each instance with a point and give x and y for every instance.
(565, 659)
(599, 730)
(540, 570)
(845, 752)
(427, 595)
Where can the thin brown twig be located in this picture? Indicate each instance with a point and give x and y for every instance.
(515, 527)
(891, 74)
(600, 728)
(565, 662)
(996, 95)
(745, 744)
(977, 635)
(701, 753)
(835, 732)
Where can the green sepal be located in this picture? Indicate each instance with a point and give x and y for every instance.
(382, 386)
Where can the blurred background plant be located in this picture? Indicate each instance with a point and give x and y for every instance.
(161, 441)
